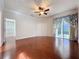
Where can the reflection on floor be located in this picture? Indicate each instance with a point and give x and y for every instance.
(8, 51)
(43, 48)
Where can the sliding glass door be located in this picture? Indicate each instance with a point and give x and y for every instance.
(63, 30)
(67, 27)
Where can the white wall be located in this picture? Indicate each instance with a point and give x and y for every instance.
(0, 30)
(28, 26)
(78, 20)
(78, 25)
(67, 12)
(1, 22)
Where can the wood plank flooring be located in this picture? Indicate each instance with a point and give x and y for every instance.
(44, 47)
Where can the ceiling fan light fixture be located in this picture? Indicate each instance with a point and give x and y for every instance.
(42, 8)
(42, 11)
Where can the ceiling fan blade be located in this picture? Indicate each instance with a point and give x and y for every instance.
(39, 14)
(47, 10)
(40, 8)
(36, 12)
(45, 13)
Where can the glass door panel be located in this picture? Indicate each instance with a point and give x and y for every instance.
(66, 30)
(63, 30)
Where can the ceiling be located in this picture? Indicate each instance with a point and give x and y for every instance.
(25, 6)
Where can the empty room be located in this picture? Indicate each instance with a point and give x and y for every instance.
(39, 29)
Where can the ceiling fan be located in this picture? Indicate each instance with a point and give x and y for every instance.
(41, 11)
(41, 8)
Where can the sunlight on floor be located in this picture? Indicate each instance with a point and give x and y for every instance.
(22, 55)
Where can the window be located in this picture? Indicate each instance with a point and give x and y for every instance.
(10, 27)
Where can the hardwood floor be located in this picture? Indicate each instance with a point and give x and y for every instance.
(46, 48)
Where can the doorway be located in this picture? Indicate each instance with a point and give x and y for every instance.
(63, 30)
(67, 27)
